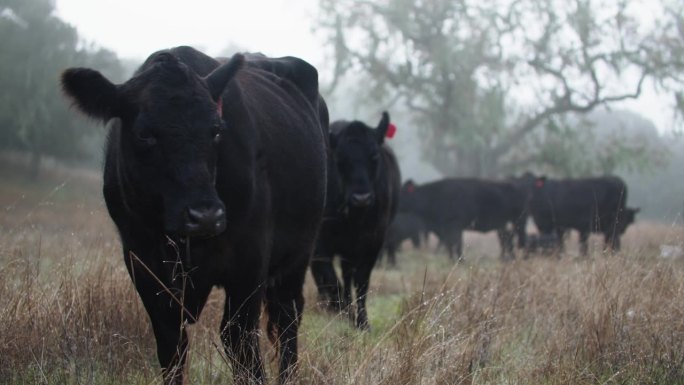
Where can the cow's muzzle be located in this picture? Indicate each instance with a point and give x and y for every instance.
(205, 221)
(361, 200)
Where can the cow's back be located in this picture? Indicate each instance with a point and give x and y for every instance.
(579, 203)
(289, 131)
(287, 121)
(497, 202)
(466, 202)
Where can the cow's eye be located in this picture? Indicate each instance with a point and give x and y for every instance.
(217, 138)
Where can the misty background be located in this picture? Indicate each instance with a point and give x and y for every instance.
(486, 90)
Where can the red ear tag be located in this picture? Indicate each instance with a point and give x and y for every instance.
(539, 183)
(219, 107)
(410, 188)
(391, 130)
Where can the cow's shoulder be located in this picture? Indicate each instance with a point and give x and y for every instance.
(615, 181)
(337, 126)
(298, 71)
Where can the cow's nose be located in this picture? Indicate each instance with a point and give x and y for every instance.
(205, 221)
(360, 200)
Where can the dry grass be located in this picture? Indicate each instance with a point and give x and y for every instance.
(70, 314)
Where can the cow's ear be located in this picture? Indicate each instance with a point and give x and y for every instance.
(410, 186)
(636, 209)
(220, 77)
(92, 93)
(381, 130)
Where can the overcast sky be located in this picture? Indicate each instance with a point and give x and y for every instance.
(136, 28)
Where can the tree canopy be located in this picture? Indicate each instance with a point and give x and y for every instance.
(492, 84)
(35, 48)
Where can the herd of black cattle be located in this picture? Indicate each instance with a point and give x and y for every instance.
(226, 172)
(449, 206)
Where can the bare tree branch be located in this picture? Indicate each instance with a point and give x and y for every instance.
(446, 60)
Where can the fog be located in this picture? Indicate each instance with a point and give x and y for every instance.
(502, 91)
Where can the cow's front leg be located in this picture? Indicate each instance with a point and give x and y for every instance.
(239, 329)
(584, 243)
(329, 287)
(391, 249)
(506, 244)
(285, 303)
(612, 241)
(458, 245)
(348, 270)
(561, 234)
(362, 281)
(164, 307)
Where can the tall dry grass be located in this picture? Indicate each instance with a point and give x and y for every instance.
(69, 314)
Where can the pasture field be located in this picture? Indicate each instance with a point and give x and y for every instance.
(69, 313)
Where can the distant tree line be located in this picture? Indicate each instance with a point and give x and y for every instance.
(34, 116)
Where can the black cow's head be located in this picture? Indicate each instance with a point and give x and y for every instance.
(356, 150)
(170, 127)
(626, 217)
(530, 184)
(407, 196)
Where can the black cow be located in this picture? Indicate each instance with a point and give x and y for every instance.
(214, 176)
(450, 206)
(363, 189)
(405, 226)
(586, 204)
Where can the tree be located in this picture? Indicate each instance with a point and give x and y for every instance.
(35, 48)
(661, 194)
(608, 142)
(484, 78)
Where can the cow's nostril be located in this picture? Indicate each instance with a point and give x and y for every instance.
(219, 213)
(196, 216)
